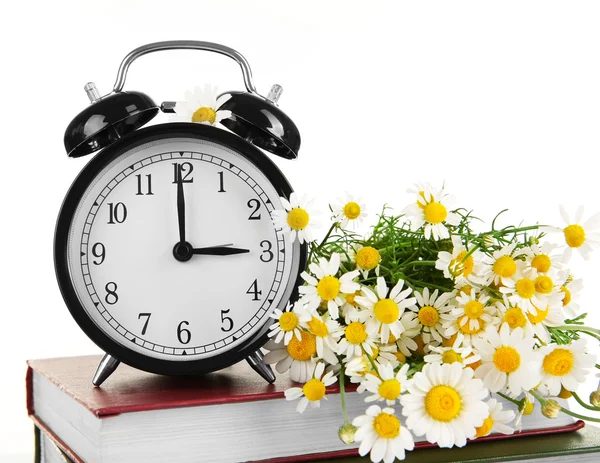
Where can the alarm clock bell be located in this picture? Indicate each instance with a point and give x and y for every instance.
(109, 118)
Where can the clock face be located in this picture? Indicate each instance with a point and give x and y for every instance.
(123, 267)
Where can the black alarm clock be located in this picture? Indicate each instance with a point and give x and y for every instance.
(165, 251)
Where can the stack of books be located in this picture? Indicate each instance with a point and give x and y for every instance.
(234, 416)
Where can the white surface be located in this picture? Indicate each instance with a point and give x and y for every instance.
(500, 100)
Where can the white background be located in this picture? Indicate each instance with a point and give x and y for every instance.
(499, 99)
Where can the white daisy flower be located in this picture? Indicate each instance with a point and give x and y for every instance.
(431, 212)
(457, 266)
(504, 264)
(356, 341)
(472, 310)
(452, 324)
(298, 356)
(515, 317)
(497, 420)
(351, 311)
(387, 386)
(297, 217)
(429, 311)
(508, 361)
(571, 289)
(380, 432)
(523, 292)
(202, 106)
(349, 210)
(456, 353)
(445, 403)
(313, 390)
(410, 340)
(565, 365)
(544, 259)
(326, 287)
(366, 258)
(386, 312)
(327, 332)
(551, 316)
(581, 236)
(288, 323)
(356, 368)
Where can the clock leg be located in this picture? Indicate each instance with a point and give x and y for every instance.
(106, 368)
(257, 363)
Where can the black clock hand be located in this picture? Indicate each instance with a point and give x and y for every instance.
(180, 206)
(219, 251)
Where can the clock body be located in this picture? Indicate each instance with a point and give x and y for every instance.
(115, 239)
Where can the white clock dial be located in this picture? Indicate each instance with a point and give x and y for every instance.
(122, 264)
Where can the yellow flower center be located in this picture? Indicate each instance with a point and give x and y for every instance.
(474, 309)
(367, 258)
(465, 290)
(288, 321)
(435, 212)
(443, 403)
(458, 267)
(352, 210)
(539, 317)
(544, 284)
(302, 350)
(542, 263)
(515, 318)
(400, 357)
(467, 330)
(507, 359)
(204, 114)
(297, 218)
(485, 428)
(318, 327)
(428, 316)
(525, 288)
(386, 426)
(450, 356)
(356, 333)
(528, 407)
(314, 390)
(574, 235)
(564, 393)
(328, 288)
(567, 299)
(386, 311)
(559, 362)
(389, 389)
(505, 267)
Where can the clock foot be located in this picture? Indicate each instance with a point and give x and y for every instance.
(106, 368)
(257, 363)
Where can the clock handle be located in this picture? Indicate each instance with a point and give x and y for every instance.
(184, 45)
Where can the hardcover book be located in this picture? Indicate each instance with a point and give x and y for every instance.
(229, 416)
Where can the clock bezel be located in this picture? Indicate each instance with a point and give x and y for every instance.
(69, 207)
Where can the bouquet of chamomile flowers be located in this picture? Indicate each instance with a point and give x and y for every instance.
(431, 320)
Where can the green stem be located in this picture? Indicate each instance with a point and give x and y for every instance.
(343, 394)
(541, 400)
(583, 404)
(429, 263)
(518, 403)
(585, 329)
(372, 362)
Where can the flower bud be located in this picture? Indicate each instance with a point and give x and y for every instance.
(550, 408)
(595, 398)
(489, 241)
(346, 433)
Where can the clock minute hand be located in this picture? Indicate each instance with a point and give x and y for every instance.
(180, 207)
(219, 251)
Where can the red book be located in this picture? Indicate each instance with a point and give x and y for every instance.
(227, 416)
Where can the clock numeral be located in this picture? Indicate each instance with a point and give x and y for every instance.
(99, 251)
(267, 254)
(183, 169)
(221, 188)
(254, 204)
(148, 185)
(225, 319)
(147, 315)
(117, 213)
(184, 333)
(253, 289)
(111, 297)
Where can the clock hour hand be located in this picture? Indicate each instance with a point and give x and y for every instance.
(180, 206)
(219, 251)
